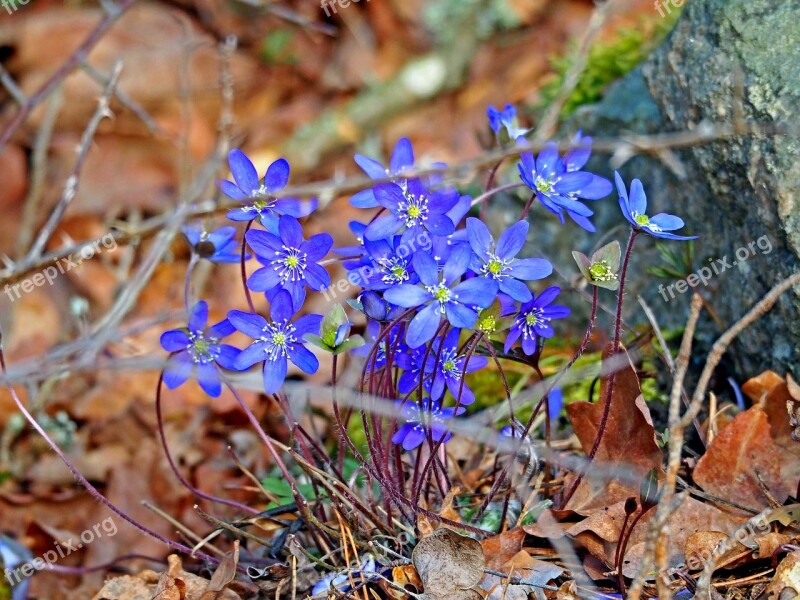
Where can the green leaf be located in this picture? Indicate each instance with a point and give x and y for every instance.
(331, 323)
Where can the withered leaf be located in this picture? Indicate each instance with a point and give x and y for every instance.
(628, 446)
(449, 565)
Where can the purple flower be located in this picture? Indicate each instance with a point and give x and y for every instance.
(290, 262)
(402, 160)
(634, 210)
(414, 208)
(198, 349)
(446, 373)
(499, 262)
(262, 201)
(218, 246)
(387, 262)
(559, 183)
(276, 342)
(419, 423)
(504, 123)
(533, 320)
(442, 295)
(390, 342)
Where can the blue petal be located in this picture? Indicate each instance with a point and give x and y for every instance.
(573, 182)
(423, 326)
(439, 224)
(264, 279)
(248, 323)
(277, 176)
(407, 295)
(547, 296)
(281, 307)
(427, 269)
(295, 207)
(208, 378)
(480, 238)
(516, 289)
(457, 264)
(222, 329)
(638, 199)
(308, 324)
(547, 159)
(512, 240)
(389, 195)
(231, 190)
(174, 340)
(303, 358)
(414, 438)
(227, 357)
(402, 157)
(402, 432)
(254, 353)
(478, 291)
(364, 199)
(600, 187)
(383, 227)
(177, 370)
(263, 243)
(370, 166)
(318, 246)
(243, 171)
(199, 316)
(582, 222)
(530, 268)
(274, 374)
(667, 222)
(460, 316)
(290, 230)
(317, 278)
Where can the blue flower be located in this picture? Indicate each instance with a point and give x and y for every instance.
(442, 295)
(263, 202)
(447, 372)
(277, 341)
(412, 207)
(634, 210)
(218, 246)
(419, 423)
(499, 262)
(402, 160)
(390, 341)
(558, 184)
(341, 580)
(375, 307)
(533, 320)
(387, 262)
(290, 262)
(197, 348)
(504, 123)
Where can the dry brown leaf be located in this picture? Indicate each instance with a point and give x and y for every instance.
(785, 584)
(225, 573)
(500, 549)
(629, 442)
(523, 565)
(449, 564)
(738, 456)
(406, 577)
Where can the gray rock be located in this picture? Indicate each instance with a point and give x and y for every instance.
(741, 194)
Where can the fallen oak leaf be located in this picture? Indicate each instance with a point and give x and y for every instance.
(225, 574)
(629, 441)
(450, 565)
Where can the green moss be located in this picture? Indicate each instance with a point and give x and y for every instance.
(607, 62)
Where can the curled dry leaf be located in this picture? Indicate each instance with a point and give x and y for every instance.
(449, 565)
(786, 583)
(537, 572)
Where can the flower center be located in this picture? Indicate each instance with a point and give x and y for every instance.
(441, 293)
(487, 324)
(495, 267)
(395, 270)
(290, 264)
(413, 210)
(544, 185)
(277, 337)
(202, 350)
(532, 319)
(600, 271)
